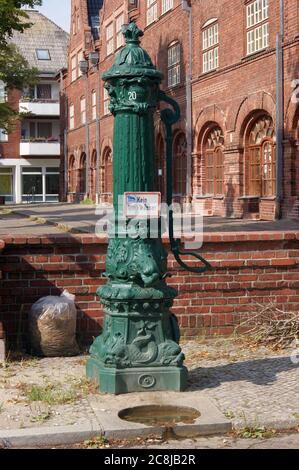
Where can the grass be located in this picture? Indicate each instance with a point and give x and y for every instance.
(229, 414)
(55, 394)
(100, 442)
(251, 432)
(87, 202)
(49, 393)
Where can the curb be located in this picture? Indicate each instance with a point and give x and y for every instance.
(48, 436)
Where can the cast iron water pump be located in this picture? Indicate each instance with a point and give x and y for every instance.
(139, 347)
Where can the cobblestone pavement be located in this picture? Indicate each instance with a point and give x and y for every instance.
(252, 387)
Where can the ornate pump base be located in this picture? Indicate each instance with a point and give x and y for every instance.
(138, 350)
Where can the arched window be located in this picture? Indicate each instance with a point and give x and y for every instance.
(107, 172)
(160, 165)
(180, 165)
(214, 163)
(261, 158)
(72, 175)
(82, 174)
(174, 64)
(93, 171)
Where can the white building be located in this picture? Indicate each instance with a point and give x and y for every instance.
(30, 155)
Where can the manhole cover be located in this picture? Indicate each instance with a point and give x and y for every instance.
(153, 415)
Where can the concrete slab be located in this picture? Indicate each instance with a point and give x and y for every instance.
(211, 420)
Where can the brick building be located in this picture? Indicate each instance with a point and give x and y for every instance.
(231, 65)
(30, 156)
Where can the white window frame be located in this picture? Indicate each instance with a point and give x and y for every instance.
(210, 46)
(3, 93)
(110, 38)
(83, 109)
(74, 67)
(106, 101)
(119, 21)
(257, 35)
(174, 64)
(166, 6)
(79, 58)
(72, 116)
(94, 105)
(152, 11)
(3, 136)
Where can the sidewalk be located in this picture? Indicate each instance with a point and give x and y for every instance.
(82, 218)
(45, 400)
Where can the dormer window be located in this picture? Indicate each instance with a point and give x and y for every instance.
(43, 54)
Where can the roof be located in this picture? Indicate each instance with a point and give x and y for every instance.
(44, 34)
(93, 7)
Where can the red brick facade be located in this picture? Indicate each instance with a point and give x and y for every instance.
(249, 269)
(227, 156)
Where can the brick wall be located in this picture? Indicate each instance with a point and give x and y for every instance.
(248, 268)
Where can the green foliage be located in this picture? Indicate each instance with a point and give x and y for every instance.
(14, 69)
(255, 433)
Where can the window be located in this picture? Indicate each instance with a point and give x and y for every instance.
(40, 130)
(210, 40)
(6, 184)
(72, 116)
(3, 95)
(180, 165)
(43, 54)
(106, 102)
(257, 15)
(174, 64)
(214, 163)
(3, 136)
(74, 68)
(261, 159)
(44, 91)
(152, 11)
(83, 110)
(79, 58)
(107, 172)
(119, 36)
(82, 175)
(166, 5)
(94, 105)
(110, 38)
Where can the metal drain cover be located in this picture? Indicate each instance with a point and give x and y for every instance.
(160, 415)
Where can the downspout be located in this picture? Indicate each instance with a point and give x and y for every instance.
(189, 72)
(98, 160)
(279, 112)
(65, 137)
(87, 151)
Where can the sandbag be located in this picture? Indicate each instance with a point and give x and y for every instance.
(52, 326)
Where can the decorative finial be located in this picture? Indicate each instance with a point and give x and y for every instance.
(132, 33)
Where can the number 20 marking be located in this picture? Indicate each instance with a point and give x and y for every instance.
(132, 95)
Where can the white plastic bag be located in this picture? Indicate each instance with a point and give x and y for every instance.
(52, 326)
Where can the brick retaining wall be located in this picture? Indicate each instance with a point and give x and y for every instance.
(248, 268)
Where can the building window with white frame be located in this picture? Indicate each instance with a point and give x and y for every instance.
(3, 135)
(174, 64)
(210, 41)
(74, 68)
(94, 105)
(72, 116)
(106, 102)
(83, 109)
(257, 23)
(3, 94)
(119, 36)
(110, 38)
(152, 11)
(79, 58)
(166, 5)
